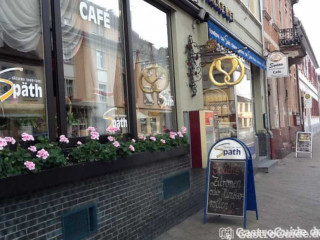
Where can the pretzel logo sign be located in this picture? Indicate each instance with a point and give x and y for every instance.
(216, 65)
(8, 93)
(157, 73)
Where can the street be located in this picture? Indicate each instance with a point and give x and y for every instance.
(288, 197)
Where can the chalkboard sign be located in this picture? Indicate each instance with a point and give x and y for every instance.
(226, 187)
(304, 143)
(230, 188)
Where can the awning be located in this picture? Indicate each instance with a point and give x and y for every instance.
(222, 37)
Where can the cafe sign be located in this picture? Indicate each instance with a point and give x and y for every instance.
(277, 65)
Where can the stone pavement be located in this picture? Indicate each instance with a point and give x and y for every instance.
(287, 196)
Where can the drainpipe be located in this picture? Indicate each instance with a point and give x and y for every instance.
(268, 127)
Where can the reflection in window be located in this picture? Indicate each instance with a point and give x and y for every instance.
(94, 47)
(152, 61)
(21, 39)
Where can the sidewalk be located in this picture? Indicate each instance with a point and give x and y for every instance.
(288, 196)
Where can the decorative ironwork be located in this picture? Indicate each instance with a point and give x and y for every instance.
(290, 37)
(194, 52)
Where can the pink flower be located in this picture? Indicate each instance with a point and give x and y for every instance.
(42, 154)
(173, 133)
(133, 140)
(79, 143)
(153, 139)
(183, 129)
(91, 129)
(64, 139)
(111, 139)
(180, 134)
(27, 137)
(131, 148)
(8, 139)
(142, 138)
(13, 141)
(3, 143)
(172, 136)
(94, 135)
(116, 144)
(163, 141)
(30, 165)
(112, 129)
(32, 148)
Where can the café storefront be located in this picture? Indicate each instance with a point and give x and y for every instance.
(67, 65)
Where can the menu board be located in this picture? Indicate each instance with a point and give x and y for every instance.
(226, 193)
(304, 142)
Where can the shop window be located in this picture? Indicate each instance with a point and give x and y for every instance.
(152, 65)
(22, 85)
(98, 86)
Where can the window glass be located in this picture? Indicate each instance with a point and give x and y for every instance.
(22, 81)
(93, 65)
(152, 62)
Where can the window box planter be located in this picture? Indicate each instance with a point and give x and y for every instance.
(22, 184)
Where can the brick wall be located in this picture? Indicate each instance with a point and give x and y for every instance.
(129, 204)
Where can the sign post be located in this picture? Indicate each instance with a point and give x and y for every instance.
(277, 65)
(304, 143)
(308, 106)
(230, 188)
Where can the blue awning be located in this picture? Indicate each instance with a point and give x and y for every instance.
(222, 37)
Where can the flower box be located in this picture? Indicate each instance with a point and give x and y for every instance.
(22, 184)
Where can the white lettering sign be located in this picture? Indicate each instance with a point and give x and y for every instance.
(91, 13)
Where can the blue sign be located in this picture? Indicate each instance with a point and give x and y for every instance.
(230, 188)
(222, 37)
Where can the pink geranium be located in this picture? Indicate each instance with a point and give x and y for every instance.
(153, 139)
(42, 154)
(10, 140)
(30, 165)
(27, 137)
(32, 148)
(131, 148)
(116, 144)
(183, 129)
(79, 143)
(133, 140)
(142, 138)
(112, 129)
(111, 139)
(180, 134)
(173, 133)
(163, 141)
(91, 129)
(64, 139)
(172, 136)
(3, 143)
(94, 135)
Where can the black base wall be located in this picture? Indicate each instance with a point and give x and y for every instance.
(130, 204)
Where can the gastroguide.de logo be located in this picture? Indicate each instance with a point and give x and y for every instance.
(276, 233)
(226, 233)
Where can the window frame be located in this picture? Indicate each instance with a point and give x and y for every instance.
(57, 76)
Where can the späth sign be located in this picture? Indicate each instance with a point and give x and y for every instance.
(277, 65)
(230, 186)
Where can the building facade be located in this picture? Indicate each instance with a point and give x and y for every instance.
(280, 34)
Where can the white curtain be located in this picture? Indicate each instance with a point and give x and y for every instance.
(20, 24)
(70, 28)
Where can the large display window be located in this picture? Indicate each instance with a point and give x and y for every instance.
(152, 68)
(22, 73)
(66, 65)
(93, 61)
(232, 105)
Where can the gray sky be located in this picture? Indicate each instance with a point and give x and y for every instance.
(308, 12)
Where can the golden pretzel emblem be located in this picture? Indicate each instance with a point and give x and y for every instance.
(159, 73)
(216, 64)
(9, 92)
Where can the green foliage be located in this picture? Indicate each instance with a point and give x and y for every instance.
(13, 162)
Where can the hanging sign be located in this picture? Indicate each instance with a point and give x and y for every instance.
(230, 188)
(277, 65)
(307, 101)
(304, 143)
